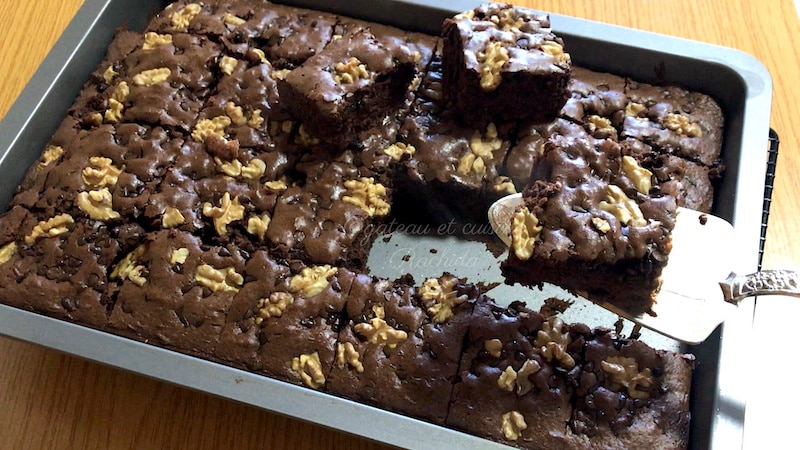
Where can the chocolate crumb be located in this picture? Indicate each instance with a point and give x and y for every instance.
(553, 306)
(618, 325)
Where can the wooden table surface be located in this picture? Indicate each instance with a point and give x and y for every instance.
(51, 400)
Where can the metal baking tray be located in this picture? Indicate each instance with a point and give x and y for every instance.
(738, 81)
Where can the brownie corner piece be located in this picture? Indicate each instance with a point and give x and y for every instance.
(350, 85)
(497, 52)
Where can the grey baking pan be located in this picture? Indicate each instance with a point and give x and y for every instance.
(739, 82)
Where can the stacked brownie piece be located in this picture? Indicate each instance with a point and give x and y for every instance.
(216, 186)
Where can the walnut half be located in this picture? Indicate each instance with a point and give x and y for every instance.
(97, 204)
(440, 297)
(309, 368)
(525, 230)
(552, 341)
(377, 331)
(312, 280)
(229, 210)
(641, 177)
(273, 306)
(50, 228)
(622, 207)
(368, 195)
(347, 355)
(490, 63)
(350, 72)
(224, 280)
(180, 19)
(624, 372)
(513, 424)
(127, 268)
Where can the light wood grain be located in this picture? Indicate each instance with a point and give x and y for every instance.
(50, 400)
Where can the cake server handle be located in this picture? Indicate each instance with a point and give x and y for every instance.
(736, 288)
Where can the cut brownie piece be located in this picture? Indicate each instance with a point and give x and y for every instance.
(629, 394)
(353, 83)
(175, 291)
(593, 94)
(326, 219)
(451, 160)
(691, 183)
(295, 35)
(401, 347)
(235, 24)
(508, 389)
(588, 210)
(263, 297)
(106, 173)
(504, 63)
(58, 265)
(674, 121)
(162, 83)
(298, 344)
(529, 148)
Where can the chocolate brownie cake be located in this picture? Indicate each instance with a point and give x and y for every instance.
(190, 201)
(504, 63)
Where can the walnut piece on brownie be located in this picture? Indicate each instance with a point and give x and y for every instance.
(504, 63)
(588, 209)
(353, 82)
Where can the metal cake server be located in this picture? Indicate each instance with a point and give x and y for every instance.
(698, 289)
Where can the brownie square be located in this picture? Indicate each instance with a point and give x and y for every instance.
(588, 209)
(234, 24)
(295, 35)
(354, 82)
(529, 148)
(328, 219)
(225, 199)
(504, 63)
(105, 173)
(508, 390)
(691, 183)
(675, 121)
(594, 95)
(451, 160)
(628, 392)
(298, 345)
(175, 291)
(263, 297)
(58, 265)
(163, 83)
(399, 353)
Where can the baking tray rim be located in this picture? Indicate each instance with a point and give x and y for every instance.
(60, 335)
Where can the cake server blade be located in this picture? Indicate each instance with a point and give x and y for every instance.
(698, 290)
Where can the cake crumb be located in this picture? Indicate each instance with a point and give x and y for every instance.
(553, 306)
